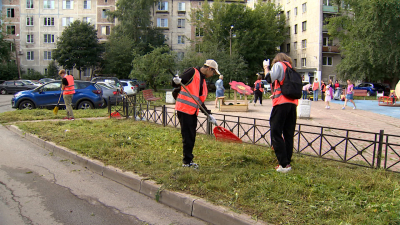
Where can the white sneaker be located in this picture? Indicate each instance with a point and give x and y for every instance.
(343, 108)
(280, 169)
(329, 107)
(354, 107)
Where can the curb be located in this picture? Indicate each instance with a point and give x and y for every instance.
(191, 205)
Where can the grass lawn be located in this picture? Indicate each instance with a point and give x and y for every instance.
(238, 176)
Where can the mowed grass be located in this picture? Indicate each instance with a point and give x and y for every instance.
(238, 176)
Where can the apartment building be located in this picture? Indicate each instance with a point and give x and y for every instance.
(314, 54)
(35, 25)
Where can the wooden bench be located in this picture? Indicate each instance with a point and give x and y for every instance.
(148, 96)
(362, 93)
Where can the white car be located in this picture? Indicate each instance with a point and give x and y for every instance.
(267, 86)
(129, 87)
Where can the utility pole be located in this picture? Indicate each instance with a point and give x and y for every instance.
(16, 58)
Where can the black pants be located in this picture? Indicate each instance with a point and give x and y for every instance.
(258, 95)
(323, 96)
(283, 122)
(188, 131)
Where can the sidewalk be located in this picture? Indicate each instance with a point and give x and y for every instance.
(367, 117)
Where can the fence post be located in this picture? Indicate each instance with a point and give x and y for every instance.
(380, 144)
(109, 106)
(127, 108)
(164, 117)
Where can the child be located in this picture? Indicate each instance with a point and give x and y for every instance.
(328, 96)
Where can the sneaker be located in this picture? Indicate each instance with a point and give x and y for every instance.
(329, 107)
(280, 169)
(192, 165)
(354, 107)
(66, 118)
(72, 118)
(343, 108)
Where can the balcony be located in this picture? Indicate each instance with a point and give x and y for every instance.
(330, 9)
(330, 49)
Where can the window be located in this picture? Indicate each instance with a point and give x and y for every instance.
(327, 61)
(87, 19)
(67, 20)
(304, 26)
(181, 39)
(295, 62)
(86, 72)
(304, 43)
(199, 32)
(48, 4)
(304, 7)
(68, 4)
(87, 4)
(162, 6)
(303, 62)
(105, 30)
(181, 23)
(295, 29)
(295, 45)
(10, 13)
(49, 21)
(104, 13)
(288, 47)
(10, 29)
(47, 55)
(29, 56)
(326, 41)
(29, 4)
(48, 38)
(29, 38)
(29, 21)
(288, 15)
(181, 6)
(328, 2)
(295, 11)
(162, 22)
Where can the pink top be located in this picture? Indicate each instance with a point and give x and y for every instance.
(350, 89)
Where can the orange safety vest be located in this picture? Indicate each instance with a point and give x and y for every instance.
(278, 97)
(185, 103)
(261, 85)
(70, 89)
(315, 86)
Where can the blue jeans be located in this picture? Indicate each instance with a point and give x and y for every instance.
(315, 96)
(304, 94)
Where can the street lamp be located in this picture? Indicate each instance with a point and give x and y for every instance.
(230, 41)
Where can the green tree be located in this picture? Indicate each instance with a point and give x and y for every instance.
(153, 68)
(255, 33)
(133, 33)
(8, 71)
(368, 32)
(78, 47)
(5, 50)
(52, 70)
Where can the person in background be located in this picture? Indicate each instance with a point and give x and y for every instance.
(258, 89)
(306, 89)
(337, 85)
(328, 97)
(349, 95)
(68, 91)
(220, 90)
(315, 89)
(323, 86)
(188, 109)
(283, 115)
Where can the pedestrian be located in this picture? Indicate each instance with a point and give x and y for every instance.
(349, 94)
(337, 85)
(258, 89)
(315, 89)
(187, 108)
(323, 89)
(283, 115)
(68, 90)
(306, 89)
(328, 97)
(220, 90)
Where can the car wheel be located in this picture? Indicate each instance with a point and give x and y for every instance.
(26, 104)
(85, 105)
(3, 91)
(368, 93)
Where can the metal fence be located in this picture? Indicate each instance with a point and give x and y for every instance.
(368, 149)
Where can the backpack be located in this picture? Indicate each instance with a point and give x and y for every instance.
(292, 85)
(258, 86)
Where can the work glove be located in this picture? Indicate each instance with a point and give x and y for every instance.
(265, 63)
(177, 79)
(212, 119)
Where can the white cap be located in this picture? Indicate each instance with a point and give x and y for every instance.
(211, 63)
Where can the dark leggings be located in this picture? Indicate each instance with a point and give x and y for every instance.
(257, 95)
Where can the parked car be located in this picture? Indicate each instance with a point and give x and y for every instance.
(88, 95)
(372, 88)
(30, 82)
(142, 84)
(135, 82)
(267, 86)
(45, 80)
(14, 86)
(111, 95)
(129, 87)
(108, 80)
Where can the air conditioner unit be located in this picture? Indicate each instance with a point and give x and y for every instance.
(20, 52)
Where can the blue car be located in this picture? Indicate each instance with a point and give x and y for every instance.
(372, 88)
(88, 95)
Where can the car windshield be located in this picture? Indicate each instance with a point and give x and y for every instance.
(53, 86)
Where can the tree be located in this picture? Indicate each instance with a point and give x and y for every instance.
(154, 67)
(368, 32)
(255, 33)
(8, 71)
(134, 33)
(52, 70)
(5, 50)
(78, 47)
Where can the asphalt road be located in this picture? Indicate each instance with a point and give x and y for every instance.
(39, 188)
